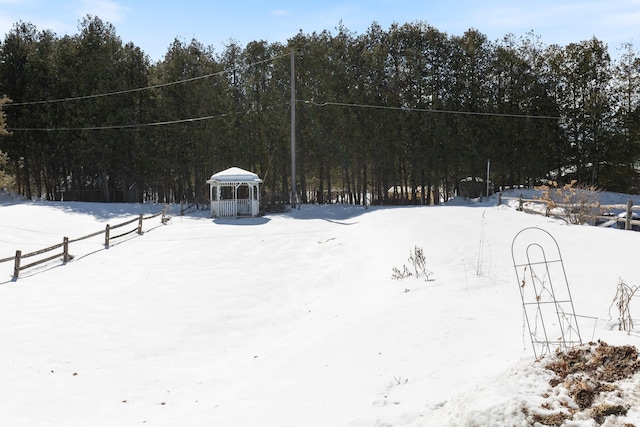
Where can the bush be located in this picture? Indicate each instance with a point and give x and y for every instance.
(576, 203)
(419, 263)
(622, 300)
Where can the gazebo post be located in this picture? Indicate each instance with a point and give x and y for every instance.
(211, 198)
(235, 200)
(218, 190)
(251, 189)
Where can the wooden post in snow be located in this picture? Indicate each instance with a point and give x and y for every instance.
(65, 253)
(16, 265)
(106, 236)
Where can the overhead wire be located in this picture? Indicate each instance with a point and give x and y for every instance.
(313, 103)
(139, 125)
(425, 110)
(139, 89)
(210, 117)
(131, 126)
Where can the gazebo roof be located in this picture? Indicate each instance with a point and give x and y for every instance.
(234, 175)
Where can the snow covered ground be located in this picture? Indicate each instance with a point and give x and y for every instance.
(292, 319)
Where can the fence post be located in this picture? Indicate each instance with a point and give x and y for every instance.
(106, 236)
(520, 203)
(16, 265)
(140, 224)
(627, 222)
(499, 199)
(164, 212)
(65, 245)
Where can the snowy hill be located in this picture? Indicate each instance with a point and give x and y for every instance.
(290, 319)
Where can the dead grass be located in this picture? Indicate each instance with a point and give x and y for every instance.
(602, 362)
(589, 375)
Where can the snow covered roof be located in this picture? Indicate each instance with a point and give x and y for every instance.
(234, 175)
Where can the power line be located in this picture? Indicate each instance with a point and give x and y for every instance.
(210, 117)
(313, 103)
(120, 92)
(141, 125)
(425, 110)
(131, 126)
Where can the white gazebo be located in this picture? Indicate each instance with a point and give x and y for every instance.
(234, 192)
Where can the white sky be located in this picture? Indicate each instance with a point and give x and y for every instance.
(153, 25)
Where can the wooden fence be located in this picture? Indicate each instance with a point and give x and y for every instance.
(606, 212)
(108, 236)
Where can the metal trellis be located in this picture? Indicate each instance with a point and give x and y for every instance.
(546, 298)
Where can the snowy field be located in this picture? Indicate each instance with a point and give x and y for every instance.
(293, 319)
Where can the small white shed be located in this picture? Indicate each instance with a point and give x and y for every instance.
(234, 192)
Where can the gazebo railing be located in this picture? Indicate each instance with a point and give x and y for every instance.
(226, 208)
(244, 206)
(232, 208)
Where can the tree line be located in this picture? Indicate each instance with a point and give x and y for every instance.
(407, 114)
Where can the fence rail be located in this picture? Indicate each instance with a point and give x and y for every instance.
(629, 209)
(19, 256)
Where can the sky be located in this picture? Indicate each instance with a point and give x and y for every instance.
(294, 319)
(152, 25)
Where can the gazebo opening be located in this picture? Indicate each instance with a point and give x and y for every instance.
(234, 192)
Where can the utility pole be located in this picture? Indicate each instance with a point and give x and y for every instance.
(488, 167)
(293, 131)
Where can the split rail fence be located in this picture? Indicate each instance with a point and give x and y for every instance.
(627, 220)
(108, 237)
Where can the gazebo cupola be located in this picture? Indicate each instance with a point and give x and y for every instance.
(234, 192)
